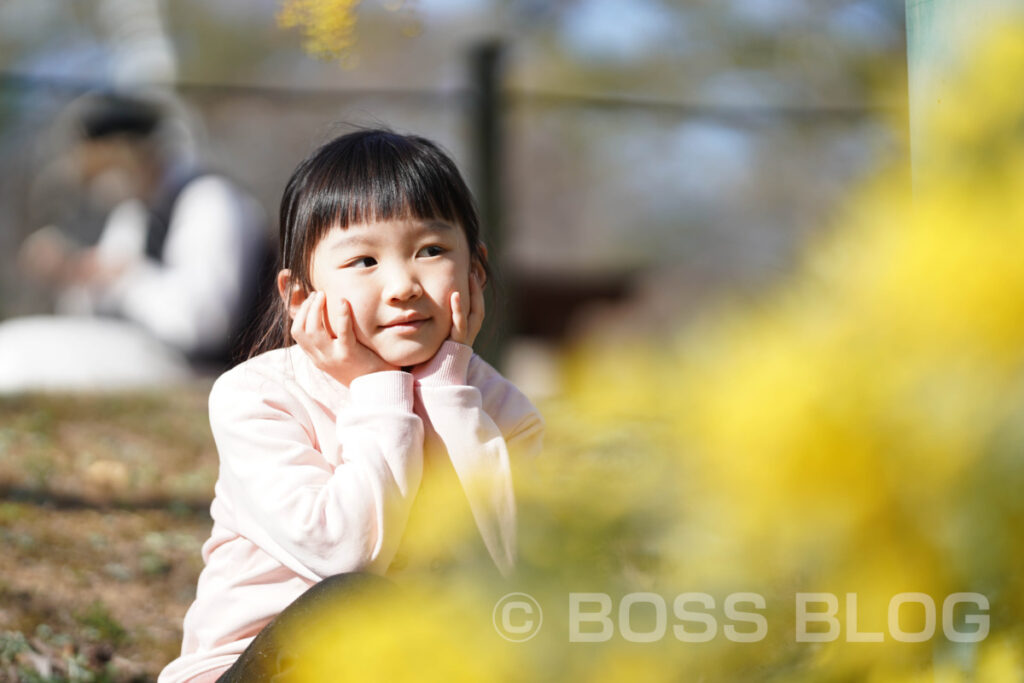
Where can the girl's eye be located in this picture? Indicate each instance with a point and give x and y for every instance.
(362, 262)
(432, 250)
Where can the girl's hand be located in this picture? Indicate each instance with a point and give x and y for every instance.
(466, 324)
(342, 357)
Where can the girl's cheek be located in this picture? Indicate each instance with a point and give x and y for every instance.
(448, 323)
(460, 284)
(362, 325)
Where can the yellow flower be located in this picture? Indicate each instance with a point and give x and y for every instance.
(328, 25)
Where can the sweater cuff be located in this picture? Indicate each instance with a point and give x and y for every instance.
(385, 389)
(449, 366)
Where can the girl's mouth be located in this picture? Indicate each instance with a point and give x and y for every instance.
(407, 325)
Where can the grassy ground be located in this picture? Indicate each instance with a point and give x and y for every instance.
(104, 504)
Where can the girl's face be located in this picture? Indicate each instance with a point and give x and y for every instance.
(398, 277)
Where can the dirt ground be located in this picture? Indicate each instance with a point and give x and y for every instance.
(104, 505)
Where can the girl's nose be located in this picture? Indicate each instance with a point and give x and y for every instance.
(403, 286)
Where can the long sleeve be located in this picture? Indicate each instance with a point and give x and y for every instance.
(318, 513)
(484, 422)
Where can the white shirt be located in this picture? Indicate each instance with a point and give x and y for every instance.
(194, 299)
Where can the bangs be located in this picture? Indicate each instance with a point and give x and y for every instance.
(386, 177)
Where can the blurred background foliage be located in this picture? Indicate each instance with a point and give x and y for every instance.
(809, 379)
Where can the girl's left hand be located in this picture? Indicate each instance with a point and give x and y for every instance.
(466, 323)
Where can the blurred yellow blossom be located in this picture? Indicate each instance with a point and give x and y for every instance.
(855, 435)
(328, 25)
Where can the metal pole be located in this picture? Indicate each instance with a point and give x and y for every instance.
(487, 148)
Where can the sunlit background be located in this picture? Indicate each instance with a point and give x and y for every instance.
(778, 349)
(654, 153)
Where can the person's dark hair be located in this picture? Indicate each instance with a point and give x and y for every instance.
(361, 177)
(103, 115)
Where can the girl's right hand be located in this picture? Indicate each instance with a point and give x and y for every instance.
(342, 357)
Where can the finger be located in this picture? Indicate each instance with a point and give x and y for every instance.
(354, 348)
(299, 321)
(345, 333)
(326, 319)
(314, 324)
(318, 321)
(313, 314)
(318, 318)
(458, 318)
(476, 308)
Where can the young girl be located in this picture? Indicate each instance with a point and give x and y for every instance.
(324, 442)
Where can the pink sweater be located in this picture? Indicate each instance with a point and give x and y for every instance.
(317, 478)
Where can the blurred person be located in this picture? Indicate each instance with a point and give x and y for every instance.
(182, 251)
(362, 399)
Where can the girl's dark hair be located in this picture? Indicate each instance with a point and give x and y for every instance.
(365, 176)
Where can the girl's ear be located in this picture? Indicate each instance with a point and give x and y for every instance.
(292, 293)
(477, 264)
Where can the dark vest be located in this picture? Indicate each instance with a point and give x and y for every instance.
(260, 278)
(161, 210)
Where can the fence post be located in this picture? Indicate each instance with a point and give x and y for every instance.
(487, 150)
